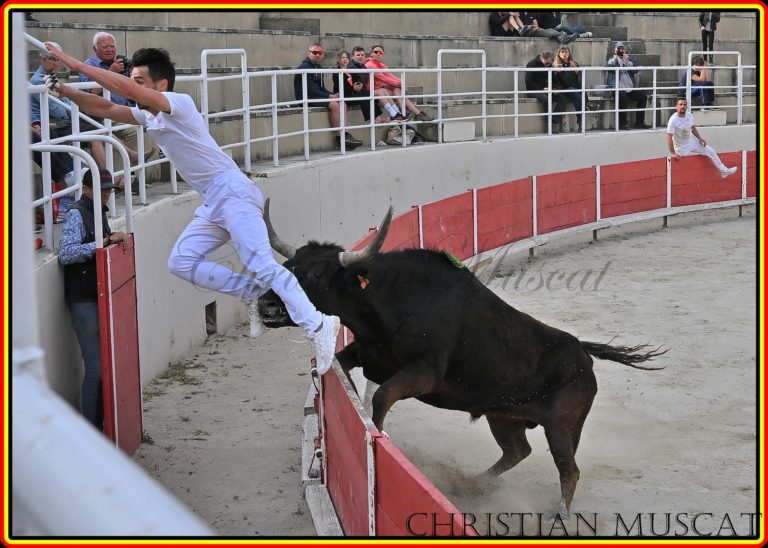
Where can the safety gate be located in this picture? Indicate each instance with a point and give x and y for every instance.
(121, 382)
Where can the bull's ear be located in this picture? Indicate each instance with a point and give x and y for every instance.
(356, 279)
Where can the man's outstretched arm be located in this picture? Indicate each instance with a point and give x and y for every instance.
(116, 83)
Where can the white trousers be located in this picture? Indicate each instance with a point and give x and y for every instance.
(233, 209)
(695, 147)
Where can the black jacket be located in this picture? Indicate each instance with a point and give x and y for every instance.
(538, 80)
(315, 86)
(80, 278)
(712, 16)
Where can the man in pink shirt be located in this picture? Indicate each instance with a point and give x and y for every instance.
(386, 85)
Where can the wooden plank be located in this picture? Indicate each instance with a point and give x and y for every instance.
(310, 466)
(323, 514)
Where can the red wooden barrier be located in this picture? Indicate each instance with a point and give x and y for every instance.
(696, 181)
(448, 225)
(504, 213)
(118, 323)
(346, 474)
(752, 174)
(566, 199)
(633, 187)
(407, 503)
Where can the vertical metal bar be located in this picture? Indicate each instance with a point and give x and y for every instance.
(246, 111)
(371, 460)
(204, 87)
(484, 84)
(275, 126)
(535, 203)
(598, 193)
(474, 220)
(305, 115)
(743, 174)
(421, 229)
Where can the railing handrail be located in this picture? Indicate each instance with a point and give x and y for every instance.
(247, 110)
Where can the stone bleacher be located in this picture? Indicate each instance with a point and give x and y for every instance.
(279, 40)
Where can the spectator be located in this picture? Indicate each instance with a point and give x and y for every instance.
(680, 142)
(627, 82)
(233, 205)
(538, 81)
(316, 90)
(529, 29)
(386, 84)
(505, 23)
(105, 57)
(552, 20)
(708, 21)
(61, 120)
(569, 80)
(701, 82)
(77, 254)
(355, 82)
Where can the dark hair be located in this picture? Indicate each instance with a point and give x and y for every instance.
(358, 48)
(377, 46)
(158, 62)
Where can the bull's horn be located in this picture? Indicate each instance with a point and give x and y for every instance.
(348, 258)
(277, 244)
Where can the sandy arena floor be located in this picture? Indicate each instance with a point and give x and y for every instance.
(225, 424)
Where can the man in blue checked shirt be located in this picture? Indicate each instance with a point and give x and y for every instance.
(78, 256)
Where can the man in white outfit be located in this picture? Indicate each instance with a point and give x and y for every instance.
(680, 139)
(232, 204)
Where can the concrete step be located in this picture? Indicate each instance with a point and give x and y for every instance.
(301, 24)
(710, 117)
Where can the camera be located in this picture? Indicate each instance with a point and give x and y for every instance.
(127, 65)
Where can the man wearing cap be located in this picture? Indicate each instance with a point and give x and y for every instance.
(626, 85)
(77, 254)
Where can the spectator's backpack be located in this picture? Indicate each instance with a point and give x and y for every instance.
(395, 136)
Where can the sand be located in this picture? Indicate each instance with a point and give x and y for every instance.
(226, 423)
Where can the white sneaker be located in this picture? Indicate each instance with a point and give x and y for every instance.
(257, 325)
(587, 34)
(324, 343)
(728, 172)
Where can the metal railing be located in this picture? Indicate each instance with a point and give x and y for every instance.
(275, 90)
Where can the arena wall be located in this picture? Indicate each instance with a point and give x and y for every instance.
(335, 199)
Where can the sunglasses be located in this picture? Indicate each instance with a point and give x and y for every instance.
(377, 51)
(316, 52)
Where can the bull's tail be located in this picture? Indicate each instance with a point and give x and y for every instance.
(628, 355)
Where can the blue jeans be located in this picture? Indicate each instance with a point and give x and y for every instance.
(707, 94)
(578, 29)
(85, 321)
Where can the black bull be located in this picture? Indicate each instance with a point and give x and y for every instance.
(425, 328)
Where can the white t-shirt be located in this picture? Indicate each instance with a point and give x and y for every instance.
(185, 140)
(680, 127)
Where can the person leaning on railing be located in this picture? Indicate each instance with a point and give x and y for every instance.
(77, 254)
